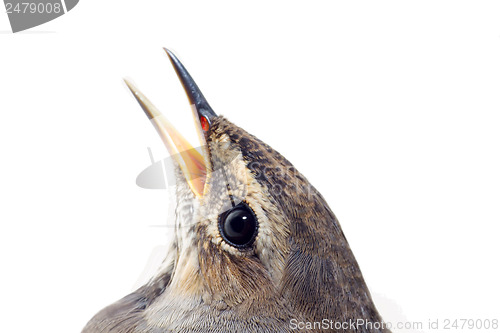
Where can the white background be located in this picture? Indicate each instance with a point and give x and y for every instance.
(390, 108)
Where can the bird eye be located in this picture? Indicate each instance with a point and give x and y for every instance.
(238, 226)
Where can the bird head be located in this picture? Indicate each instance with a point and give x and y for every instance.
(255, 244)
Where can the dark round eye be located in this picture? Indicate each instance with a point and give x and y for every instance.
(238, 226)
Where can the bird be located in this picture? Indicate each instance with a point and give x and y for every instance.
(256, 248)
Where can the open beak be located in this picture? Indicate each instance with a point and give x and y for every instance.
(194, 163)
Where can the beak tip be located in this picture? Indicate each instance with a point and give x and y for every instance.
(193, 93)
(130, 86)
(145, 104)
(127, 82)
(171, 56)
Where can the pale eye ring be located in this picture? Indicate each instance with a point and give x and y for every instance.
(238, 226)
